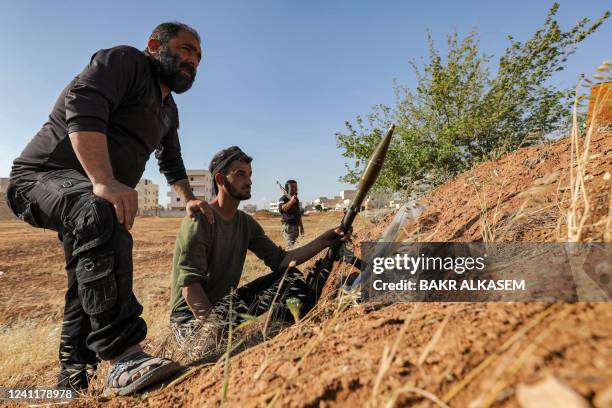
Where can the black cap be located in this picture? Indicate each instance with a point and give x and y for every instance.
(222, 160)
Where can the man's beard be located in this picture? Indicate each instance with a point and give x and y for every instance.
(233, 192)
(170, 71)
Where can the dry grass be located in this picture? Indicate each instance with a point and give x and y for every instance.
(387, 359)
(25, 362)
(580, 203)
(562, 206)
(32, 309)
(518, 336)
(528, 351)
(342, 302)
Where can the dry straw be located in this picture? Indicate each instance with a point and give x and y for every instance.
(580, 207)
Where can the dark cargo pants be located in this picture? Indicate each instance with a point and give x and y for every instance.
(254, 298)
(101, 313)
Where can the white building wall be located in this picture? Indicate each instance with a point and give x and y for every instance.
(5, 211)
(347, 194)
(274, 207)
(4, 181)
(328, 203)
(201, 186)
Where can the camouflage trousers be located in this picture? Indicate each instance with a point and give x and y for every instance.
(290, 233)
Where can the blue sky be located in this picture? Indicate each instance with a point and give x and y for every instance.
(278, 78)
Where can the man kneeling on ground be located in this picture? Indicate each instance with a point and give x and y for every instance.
(208, 258)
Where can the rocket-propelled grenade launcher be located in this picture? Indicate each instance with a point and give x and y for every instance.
(370, 174)
(368, 178)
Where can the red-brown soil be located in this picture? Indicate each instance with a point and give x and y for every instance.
(466, 354)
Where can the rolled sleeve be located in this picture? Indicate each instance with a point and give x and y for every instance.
(100, 88)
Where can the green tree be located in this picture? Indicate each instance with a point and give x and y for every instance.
(460, 114)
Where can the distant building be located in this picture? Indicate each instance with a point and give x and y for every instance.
(274, 207)
(337, 203)
(201, 186)
(308, 208)
(5, 211)
(347, 197)
(3, 186)
(347, 194)
(249, 208)
(328, 203)
(148, 196)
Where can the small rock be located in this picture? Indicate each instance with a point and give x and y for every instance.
(547, 179)
(549, 393)
(607, 176)
(603, 399)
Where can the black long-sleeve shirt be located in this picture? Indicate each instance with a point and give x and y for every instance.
(117, 94)
(292, 216)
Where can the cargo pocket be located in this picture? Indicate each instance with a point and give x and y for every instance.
(97, 284)
(93, 225)
(66, 182)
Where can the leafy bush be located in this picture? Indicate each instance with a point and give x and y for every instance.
(460, 113)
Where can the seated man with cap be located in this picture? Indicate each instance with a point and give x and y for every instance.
(209, 257)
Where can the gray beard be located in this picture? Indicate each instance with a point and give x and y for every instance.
(170, 71)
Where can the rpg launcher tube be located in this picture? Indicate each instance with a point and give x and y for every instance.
(368, 178)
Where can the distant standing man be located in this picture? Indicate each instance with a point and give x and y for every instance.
(77, 177)
(289, 207)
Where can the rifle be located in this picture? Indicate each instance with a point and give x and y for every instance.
(323, 266)
(283, 189)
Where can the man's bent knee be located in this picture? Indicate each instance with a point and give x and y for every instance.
(93, 222)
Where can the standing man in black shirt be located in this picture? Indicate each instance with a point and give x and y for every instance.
(289, 207)
(77, 177)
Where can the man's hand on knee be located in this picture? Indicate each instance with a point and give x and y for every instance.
(123, 198)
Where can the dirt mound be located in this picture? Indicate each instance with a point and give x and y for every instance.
(523, 196)
(461, 354)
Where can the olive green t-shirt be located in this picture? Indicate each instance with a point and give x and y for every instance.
(214, 255)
